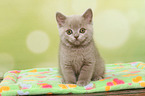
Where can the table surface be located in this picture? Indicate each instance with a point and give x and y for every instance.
(130, 92)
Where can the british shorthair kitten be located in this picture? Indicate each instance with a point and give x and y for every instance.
(79, 59)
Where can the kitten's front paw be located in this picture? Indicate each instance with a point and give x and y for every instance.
(82, 83)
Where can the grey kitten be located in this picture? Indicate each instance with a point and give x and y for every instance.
(79, 60)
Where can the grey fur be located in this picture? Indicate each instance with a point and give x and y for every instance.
(79, 59)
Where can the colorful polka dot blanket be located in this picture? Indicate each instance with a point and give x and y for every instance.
(118, 76)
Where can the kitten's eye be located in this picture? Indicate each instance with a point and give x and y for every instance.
(82, 30)
(69, 31)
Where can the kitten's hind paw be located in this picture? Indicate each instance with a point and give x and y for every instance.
(62, 81)
(82, 83)
(97, 78)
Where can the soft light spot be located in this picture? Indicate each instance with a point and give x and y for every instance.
(37, 41)
(111, 29)
(133, 16)
(6, 63)
(79, 6)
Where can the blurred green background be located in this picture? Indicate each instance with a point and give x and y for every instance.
(29, 36)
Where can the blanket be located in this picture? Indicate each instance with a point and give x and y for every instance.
(34, 81)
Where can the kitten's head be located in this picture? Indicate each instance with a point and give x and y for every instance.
(75, 30)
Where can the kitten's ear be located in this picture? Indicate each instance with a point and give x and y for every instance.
(60, 19)
(88, 15)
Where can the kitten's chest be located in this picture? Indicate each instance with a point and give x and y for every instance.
(77, 52)
(76, 55)
(77, 59)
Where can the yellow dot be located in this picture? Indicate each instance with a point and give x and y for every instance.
(111, 29)
(37, 41)
(5, 88)
(79, 6)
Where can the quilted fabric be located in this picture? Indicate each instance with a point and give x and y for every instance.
(47, 81)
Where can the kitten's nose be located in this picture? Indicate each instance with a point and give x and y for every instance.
(76, 36)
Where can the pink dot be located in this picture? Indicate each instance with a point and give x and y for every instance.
(40, 81)
(134, 71)
(47, 86)
(24, 88)
(7, 78)
(89, 88)
(19, 77)
(13, 80)
(120, 82)
(113, 74)
(110, 84)
(133, 62)
(115, 79)
(41, 77)
(44, 72)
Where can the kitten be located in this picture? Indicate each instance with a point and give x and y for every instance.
(79, 60)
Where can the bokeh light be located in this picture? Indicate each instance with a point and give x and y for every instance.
(111, 29)
(37, 41)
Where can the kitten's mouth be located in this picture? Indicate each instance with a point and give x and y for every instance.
(76, 42)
